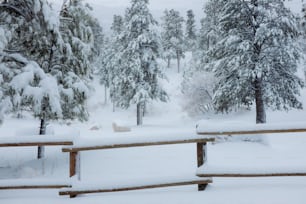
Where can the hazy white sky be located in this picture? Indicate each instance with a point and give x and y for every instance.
(105, 9)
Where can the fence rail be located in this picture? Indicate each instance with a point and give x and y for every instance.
(262, 129)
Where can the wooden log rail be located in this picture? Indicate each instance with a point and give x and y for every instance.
(246, 175)
(33, 186)
(251, 132)
(250, 173)
(23, 184)
(74, 152)
(74, 155)
(39, 140)
(33, 141)
(74, 192)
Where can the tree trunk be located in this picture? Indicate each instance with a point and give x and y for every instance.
(178, 63)
(169, 61)
(114, 107)
(105, 95)
(260, 106)
(144, 109)
(139, 113)
(42, 131)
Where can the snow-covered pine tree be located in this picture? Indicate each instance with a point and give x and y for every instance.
(37, 55)
(173, 36)
(109, 71)
(117, 25)
(209, 32)
(191, 32)
(139, 70)
(256, 59)
(302, 41)
(77, 25)
(30, 54)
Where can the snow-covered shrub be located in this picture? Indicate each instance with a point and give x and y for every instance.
(197, 90)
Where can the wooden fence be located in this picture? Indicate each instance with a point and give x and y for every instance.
(74, 154)
(39, 140)
(202, 179)
(250, 172)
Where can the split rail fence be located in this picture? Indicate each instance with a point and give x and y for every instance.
(249, 172)
(33, 141)
(202, 178)
(74, 155)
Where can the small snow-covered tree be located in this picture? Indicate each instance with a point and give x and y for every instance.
(138, 81)
(210, 32)
(173, 36)
(77, 25)
(117, 25)
(191, 32)
(109, 71)
(256, 58)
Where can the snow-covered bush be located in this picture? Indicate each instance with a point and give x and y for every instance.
(197, 89)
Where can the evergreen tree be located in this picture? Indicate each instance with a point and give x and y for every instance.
(53, 72)
(173, 37)
(190, 34)
(256, 58)
(302, 40)
(77, 25)
(30, 54)
(138, 81)
(117, 25)
(209, 32)
(109, 71)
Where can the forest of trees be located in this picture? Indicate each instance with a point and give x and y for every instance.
(48, 59)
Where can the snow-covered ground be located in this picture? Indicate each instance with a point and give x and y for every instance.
(137, 165)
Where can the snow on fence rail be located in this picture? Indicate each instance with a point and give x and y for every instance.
(87, 189)
(205, 133)
(36, 140)
(14, 184)
(235, 128)
(128, 142)
(240, 128)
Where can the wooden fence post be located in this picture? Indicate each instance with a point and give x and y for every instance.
(74, 164)
(201, 159)
(75, 167)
